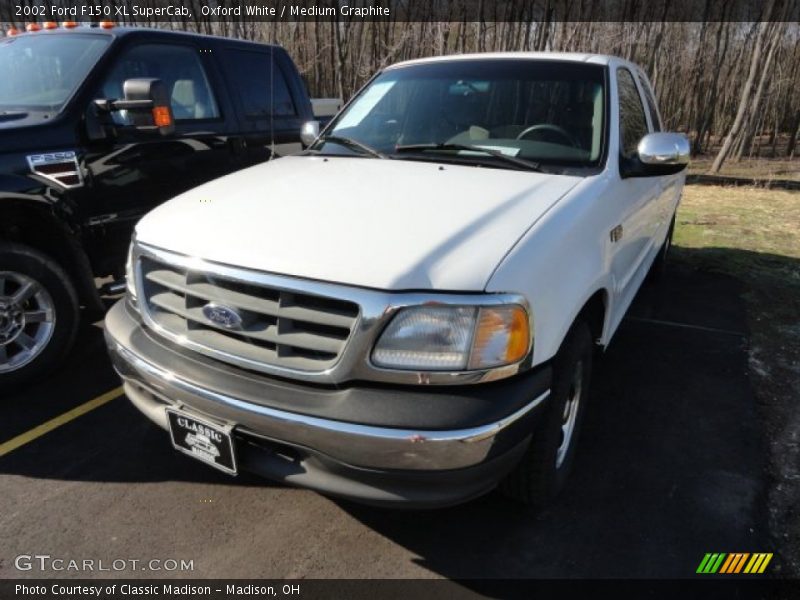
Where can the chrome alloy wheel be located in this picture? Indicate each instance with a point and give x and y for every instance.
(570, 413)
(27, 320)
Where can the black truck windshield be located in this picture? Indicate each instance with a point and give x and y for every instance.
(540, 111)
(41, 71)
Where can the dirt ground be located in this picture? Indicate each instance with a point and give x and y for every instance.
(754, 236)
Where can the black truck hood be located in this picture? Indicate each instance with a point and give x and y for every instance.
(35, 132)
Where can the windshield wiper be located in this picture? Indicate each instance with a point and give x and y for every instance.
(351, 143)
(520, 162)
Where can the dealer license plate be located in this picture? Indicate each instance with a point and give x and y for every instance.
(203, 440)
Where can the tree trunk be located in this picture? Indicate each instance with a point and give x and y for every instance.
(793, 135)
(744, 100)
(751, 125)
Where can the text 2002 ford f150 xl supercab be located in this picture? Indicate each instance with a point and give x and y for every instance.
(408, 312)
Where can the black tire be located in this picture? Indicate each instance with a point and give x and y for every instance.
(55, 302)
(659, 266)
(541, 474)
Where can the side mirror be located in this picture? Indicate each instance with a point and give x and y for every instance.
(147, 104)
(152, 109)
(664, 150)
(309, 133)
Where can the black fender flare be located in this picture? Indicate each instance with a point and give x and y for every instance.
(40, 222)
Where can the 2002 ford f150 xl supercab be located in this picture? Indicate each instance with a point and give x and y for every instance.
(408, 312)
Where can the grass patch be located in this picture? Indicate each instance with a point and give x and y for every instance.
(765, 221)
(754, 235)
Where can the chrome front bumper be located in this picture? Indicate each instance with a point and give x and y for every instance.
(153, 379)
(152, 388)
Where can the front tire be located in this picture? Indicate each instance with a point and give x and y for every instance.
(543, 470)
(38, 314)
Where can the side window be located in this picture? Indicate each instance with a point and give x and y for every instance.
(632, 122)
(178, 67)
(651, 103)
(262, 91)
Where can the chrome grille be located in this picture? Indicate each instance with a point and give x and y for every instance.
(279, 327)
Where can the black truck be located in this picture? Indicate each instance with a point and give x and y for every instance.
(97, 126)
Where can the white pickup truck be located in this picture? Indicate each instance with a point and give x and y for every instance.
(407, 312)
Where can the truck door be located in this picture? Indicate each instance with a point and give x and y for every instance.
(136, 171)
(632, 238)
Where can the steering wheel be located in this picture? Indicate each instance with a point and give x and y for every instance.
(549, 127)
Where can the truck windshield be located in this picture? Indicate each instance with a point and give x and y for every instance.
(41, 71)
(540, 111)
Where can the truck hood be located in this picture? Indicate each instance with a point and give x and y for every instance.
(17, 119)
(386, 224)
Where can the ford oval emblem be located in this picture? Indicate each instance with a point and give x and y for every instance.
(223, 316)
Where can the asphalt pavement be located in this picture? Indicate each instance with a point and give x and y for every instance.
(671, 465)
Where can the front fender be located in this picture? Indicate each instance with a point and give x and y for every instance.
(42, 222)
(22, 188)
(560, 264)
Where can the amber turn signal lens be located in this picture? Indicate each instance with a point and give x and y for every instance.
(162, 116)
(69, 24)
(107, 24)
(502, 336)
(32, 27)
(50, 25)
(519, 336)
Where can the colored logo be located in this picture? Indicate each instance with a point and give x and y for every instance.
(735, 562)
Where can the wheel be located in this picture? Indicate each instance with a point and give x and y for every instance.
(38, 314)
(543, 470)
(659, 266)
(551, 128)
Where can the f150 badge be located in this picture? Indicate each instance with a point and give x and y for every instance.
(59, 167)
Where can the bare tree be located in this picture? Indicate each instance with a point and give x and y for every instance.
(745, 100)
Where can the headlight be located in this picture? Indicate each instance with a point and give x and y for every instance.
(450, 338)
(130, 284)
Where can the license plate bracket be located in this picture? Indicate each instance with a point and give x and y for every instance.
(204, 440)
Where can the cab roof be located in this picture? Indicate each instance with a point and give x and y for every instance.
(128, 31)
(602, 59)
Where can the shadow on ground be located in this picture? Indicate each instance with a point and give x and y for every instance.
(670, 464)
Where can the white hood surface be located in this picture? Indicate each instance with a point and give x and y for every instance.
(385, 224)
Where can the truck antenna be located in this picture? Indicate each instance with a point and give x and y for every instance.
(272, 96)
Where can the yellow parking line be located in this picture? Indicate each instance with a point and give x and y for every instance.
(58, 421)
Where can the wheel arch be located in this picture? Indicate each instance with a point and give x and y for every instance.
(595, 312)
(33, 223)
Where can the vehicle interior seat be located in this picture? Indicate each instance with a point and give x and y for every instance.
(597, 122)
(187, 101)
(578, 122)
